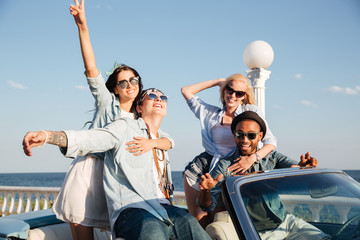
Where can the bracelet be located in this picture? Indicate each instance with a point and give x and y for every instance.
(46, 137)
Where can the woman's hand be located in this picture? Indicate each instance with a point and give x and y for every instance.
(221, 81)
(78, 11)
(139, 146)
(242, 164)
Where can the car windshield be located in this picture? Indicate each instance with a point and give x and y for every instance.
(312, 206)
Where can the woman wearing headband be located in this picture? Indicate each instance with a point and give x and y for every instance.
(236, 95)
(81, 201)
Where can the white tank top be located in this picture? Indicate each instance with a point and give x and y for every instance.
(223, 139)
(127, 114)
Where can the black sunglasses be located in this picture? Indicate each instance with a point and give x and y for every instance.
(153, 96)
(238, 94)
(125, 83)
(249, 135)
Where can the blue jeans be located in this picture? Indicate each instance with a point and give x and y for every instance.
(137, 223)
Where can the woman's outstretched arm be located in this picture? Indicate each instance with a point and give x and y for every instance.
(78, 11)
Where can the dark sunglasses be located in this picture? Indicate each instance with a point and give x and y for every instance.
(125, 83)
(249, 135)
(153, 96)
(238, 94)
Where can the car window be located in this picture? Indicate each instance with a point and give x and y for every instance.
(321, 203)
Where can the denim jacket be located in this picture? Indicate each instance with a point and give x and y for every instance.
(273, 160)
(107, 104)
(108, 110)
(210, 115)
(128, 180)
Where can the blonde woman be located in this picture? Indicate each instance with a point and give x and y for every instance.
(236, 95)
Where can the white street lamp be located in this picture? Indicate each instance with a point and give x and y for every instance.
(258, 56)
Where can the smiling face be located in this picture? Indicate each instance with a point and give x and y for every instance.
(245, 145)
(131, 91)
(231, 101)
(153, 106)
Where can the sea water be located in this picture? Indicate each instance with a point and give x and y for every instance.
(56, 179)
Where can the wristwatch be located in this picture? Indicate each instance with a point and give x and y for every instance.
(258, 158)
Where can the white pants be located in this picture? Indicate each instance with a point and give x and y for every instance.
(294, 228)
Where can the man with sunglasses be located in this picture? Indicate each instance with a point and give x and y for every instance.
(135, 186)
(248, 129)
(268, 214)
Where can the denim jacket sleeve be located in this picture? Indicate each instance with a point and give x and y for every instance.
(221, 167)
(95, 140)
(98, 89)
(269, 138)
(163, 134)
(283, 161)
(201, 108)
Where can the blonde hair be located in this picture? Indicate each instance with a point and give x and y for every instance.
(249, 97)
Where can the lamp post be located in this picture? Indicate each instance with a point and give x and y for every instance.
(258, 56)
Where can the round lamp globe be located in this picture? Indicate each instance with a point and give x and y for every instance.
(258, 54)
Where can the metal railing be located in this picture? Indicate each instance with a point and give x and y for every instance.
(14, 200)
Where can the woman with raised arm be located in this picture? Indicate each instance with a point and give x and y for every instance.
(236, 95)
(81, 201)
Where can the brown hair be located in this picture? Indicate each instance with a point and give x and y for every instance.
(112, 81)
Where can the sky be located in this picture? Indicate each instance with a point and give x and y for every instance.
(312, 94)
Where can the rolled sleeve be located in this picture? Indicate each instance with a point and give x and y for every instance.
(215, 192)
(72, 149)
(211, 207)
(283, 161)
(94, 140)
(163, 134)
(201, 108)
(99, 90)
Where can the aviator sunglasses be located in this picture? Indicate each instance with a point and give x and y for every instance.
(249, 135)
(238, 94)
(153, 96)
(125, 83)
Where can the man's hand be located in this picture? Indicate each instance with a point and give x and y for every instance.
(207, 182)
(242, 164)
(307, 161)
(33, 139)
(139, 146)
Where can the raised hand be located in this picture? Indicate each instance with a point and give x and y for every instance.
(33, 139)
(207, 182)
(307, 161)
(242, 164)
(221, 81)
(78, 11)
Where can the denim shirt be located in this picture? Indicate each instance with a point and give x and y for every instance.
(210, 115)
(128, 180)
(108, 110)
(273, 160)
